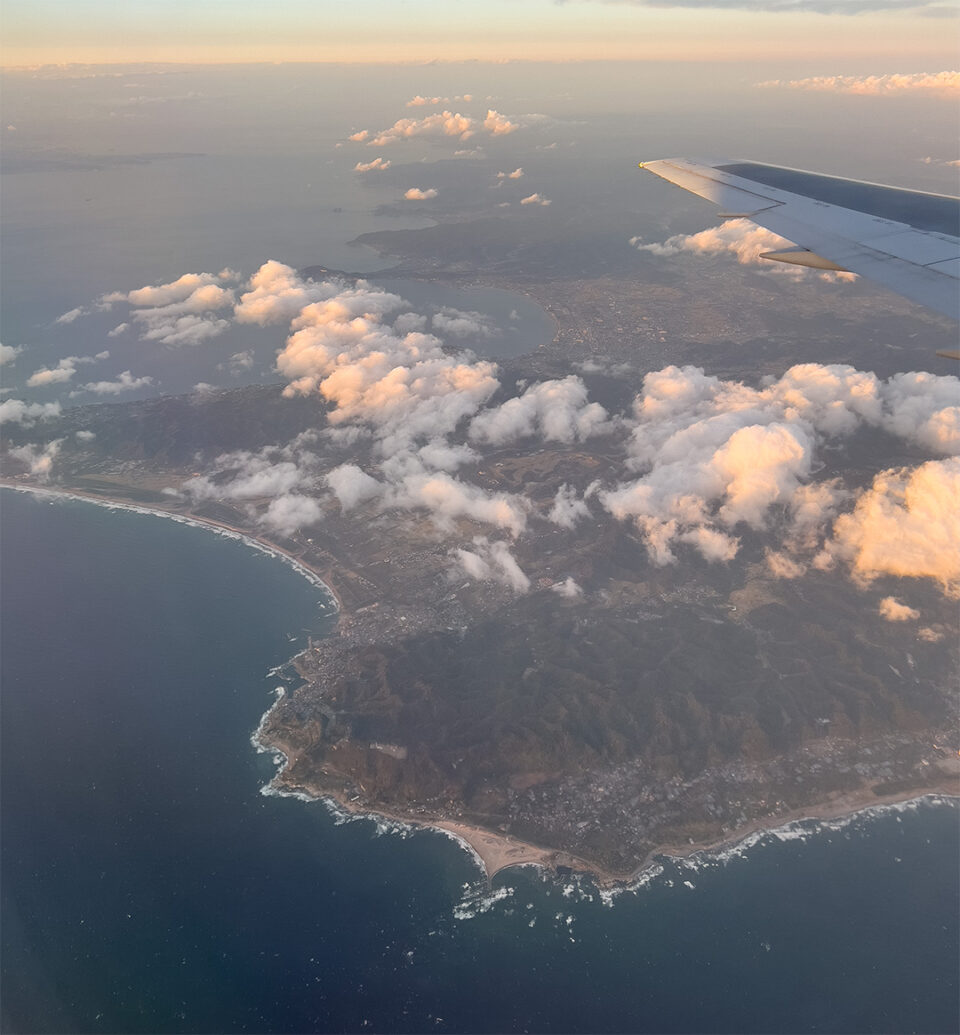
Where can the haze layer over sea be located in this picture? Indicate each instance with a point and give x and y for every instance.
(149, 886)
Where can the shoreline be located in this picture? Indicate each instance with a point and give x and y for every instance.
(495, 851)
(264, 546)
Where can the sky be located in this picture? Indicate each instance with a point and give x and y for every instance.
(917, 33)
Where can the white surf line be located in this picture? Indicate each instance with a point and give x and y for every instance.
(211, 526)
(800, 829)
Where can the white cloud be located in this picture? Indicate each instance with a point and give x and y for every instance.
(63, 371)
(515, 175)
(177, 313)
(85, 436)
(276, 294)
(416, 194)
(241, 475)
(403, 385)
(239, 362)
(16, 411)
(492, 562)
(716, 453)
(535, 199)
(71, 315)
(875, 85)
(557, 411)
(567, 509)
(447, 499)
(498, 125)
(9, 353)
(891, 609)
(742, 239)
(378, 165)
(157, 295)
(925, 409)
(121, 328)
(907, 524)
(351, 485)
(422, 102)
(290, 512)
(568, 588)
(442, 124)
(125, 382)
(39, 459)
(460, 323)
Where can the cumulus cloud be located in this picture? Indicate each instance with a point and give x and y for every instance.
(403, 385)
(441, 124)
(515, 175)
(9, 353)
(64, 370)
(448, 499)
(783, 566)
(422, 102)
(71, 315)
(239, 362)
(180, 312)
(535, 199)
(85, 436)
(925, 409)
(556, 411)
(714, 454)
(875, 85)
(351, 485)
(418, 194)
(568, 588)
(567, 509)
(492, 562)
(125, 382)
(460, 323)
(276, 293)
(740, 238)
(499, 125)
(16, 411)
(121, 328)
(39, 459)
(288, 513)
(157, 295)
(273, 485)
(908, 524)
(378, 164)
(891, 609)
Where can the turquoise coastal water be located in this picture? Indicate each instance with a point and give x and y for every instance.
(148, 885)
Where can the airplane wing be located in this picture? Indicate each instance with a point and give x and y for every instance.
(906, 240)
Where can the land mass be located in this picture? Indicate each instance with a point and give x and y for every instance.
(591, 732)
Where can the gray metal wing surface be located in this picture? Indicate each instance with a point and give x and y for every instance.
(908, 241)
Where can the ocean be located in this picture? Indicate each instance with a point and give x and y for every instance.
(148, 885)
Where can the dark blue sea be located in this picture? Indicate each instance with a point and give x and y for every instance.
(148, 886)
